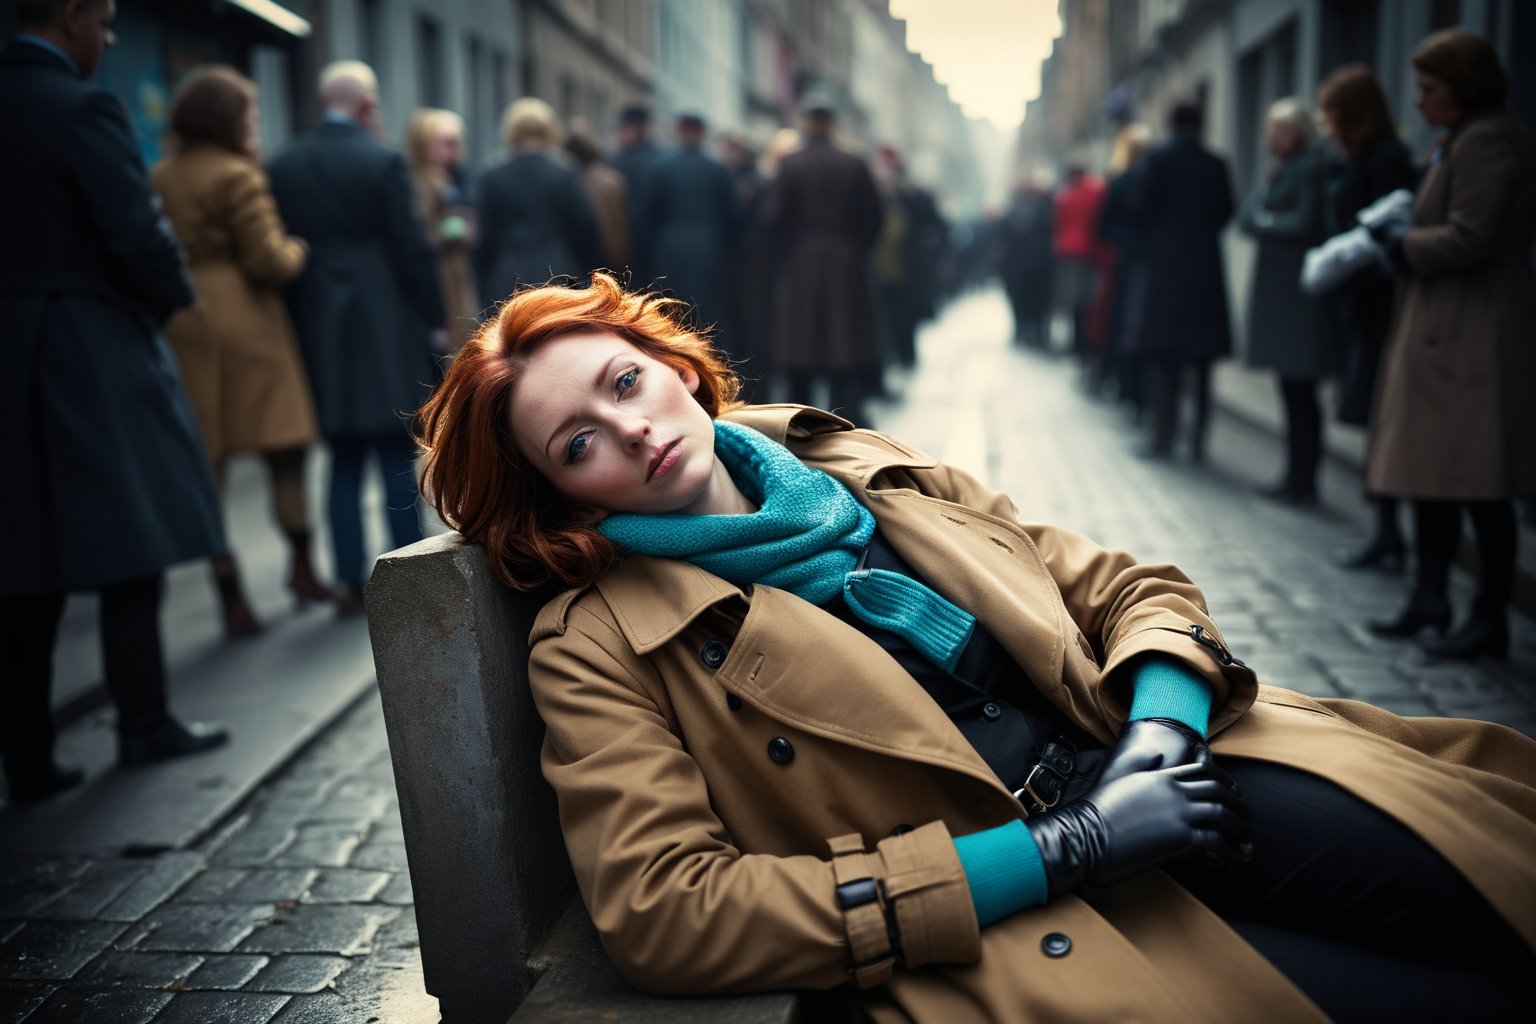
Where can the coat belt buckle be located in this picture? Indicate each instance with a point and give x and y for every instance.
(1035, 803)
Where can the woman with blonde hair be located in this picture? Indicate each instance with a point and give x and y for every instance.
(236, 345)
(434, 147)
(823, 712)
(1289, 331)
(536, 222)
(1117, 227)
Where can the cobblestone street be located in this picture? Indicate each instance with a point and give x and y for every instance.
(298, 907)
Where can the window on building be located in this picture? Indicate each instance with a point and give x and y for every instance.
(370, 32)
(430, 90)
(476, 114)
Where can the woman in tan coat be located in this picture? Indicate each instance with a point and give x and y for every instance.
(1454, 426)
(235, 344)
(825, 713)
(434, 145)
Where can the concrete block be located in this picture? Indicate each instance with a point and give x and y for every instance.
(221, 1008)
(298, 975)
(70, 1006)
(226, 972)
(342, 930)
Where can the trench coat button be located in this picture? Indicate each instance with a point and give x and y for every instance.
(1056, 945)
(901, 830)
(712, 654)
(733, 702)
(991, 711)
(780, 750)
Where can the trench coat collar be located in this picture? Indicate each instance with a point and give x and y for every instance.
(632, 590)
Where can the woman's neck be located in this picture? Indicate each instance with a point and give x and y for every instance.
(723, 497)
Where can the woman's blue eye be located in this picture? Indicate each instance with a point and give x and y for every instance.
(577, 447)
(629, 380)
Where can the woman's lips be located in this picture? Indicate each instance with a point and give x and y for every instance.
(665, 458)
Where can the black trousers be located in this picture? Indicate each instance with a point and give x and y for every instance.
(131, 658)
(1303, 434)
(1437, 532)
(1362, 915)
(1169, 378)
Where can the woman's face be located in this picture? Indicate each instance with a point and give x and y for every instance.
(1436, 103)
(445, 148)
(1285, 141)
(613, 429)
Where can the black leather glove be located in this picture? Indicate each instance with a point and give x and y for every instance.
(1127, 826)
(1149, 743)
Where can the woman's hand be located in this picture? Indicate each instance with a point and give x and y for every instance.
(1149, 743)
(1137, 822)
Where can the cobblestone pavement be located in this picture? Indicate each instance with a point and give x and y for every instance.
(298, 911)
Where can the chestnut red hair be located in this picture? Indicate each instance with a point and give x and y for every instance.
(474, 475)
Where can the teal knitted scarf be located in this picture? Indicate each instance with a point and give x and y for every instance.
(806, 537)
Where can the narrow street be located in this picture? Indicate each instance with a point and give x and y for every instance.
(268, 882)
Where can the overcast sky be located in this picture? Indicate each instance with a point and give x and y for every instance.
(987, 51)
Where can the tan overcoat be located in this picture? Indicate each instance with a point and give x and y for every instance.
(1453, 416)
(706, 862)
(236, 345)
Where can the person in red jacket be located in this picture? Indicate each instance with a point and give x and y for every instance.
(1077, 251)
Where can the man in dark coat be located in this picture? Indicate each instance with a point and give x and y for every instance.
(635, 158)
(1183, 201)
(693, 215)
(366, 309)
(825, 215)
(108, 483)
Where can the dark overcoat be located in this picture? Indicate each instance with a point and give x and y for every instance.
(707, 864)
(1454, 417)
(535, 223)
(1288, 331)
(1183, 200)
(1364, 307)
(366, 304)
(105, 472)
(694, 217)
(636, 164)
(825, 215)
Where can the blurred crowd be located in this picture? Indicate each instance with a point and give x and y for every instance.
(1407, 282)
(216, 304)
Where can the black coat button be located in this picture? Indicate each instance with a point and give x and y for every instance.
(1056, 945)
(713, 653)
(901, 830)
(733, 702)
(780, 750)
(991, 711)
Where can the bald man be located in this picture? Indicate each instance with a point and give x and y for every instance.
(367, 308)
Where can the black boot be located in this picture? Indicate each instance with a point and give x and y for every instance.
(168, 740)
(1384, 553)
(31, 783)
(1479, 635)
(1424, 608)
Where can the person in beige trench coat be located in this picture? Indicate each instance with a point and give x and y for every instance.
(1453, 424)
(728, 757)
(236, 345)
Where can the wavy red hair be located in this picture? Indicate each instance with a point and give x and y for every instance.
(474, 475)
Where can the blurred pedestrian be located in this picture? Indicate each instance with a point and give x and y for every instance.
(1454, 426)
(751, 271)
(1376, 163)
(1117, 228)
(1026, 262)
(1288, 331)
(367, 309)
(1076, 248)
(108, 484)
(912, 236)
(635, 158)
(535, 220)
(434, 147)
(824, 213)
(609, 197)
(1181, 320)
(235, 345)
(694, 221)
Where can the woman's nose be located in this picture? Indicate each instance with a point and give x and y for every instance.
(634, 429)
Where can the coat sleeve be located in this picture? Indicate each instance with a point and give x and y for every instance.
(1125, 609)
(111, 180)
(679, 908)
(263, 247)
(1485, 172)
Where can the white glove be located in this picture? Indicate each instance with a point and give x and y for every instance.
(1389, 217)
(1329, 265)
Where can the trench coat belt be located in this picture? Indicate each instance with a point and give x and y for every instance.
(864, 915)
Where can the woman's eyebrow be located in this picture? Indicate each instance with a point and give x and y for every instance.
(597, 382)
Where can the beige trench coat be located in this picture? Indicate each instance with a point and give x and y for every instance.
(1454, 417)
(706, 863)
(236, 345)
